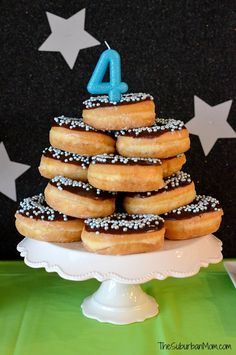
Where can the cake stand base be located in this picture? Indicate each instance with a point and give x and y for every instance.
(119, 303)
(120, 299)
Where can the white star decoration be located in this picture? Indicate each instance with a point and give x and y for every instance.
(68, 36)
(210, 123)
(9, 172)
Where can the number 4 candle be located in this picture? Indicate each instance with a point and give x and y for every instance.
(115, 87)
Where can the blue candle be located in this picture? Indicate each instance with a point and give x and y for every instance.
(115, 87)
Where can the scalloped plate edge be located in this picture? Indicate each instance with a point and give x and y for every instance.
(116, 277)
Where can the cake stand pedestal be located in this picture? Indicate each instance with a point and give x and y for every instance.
(120, 299)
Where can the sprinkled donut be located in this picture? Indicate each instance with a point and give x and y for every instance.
(73, 135)
(133, 110)
(203, 216)
(35, 219)
(56, 161)
(121, 234)
(166, 138)
(78, 199)
(179, 190)
(118, 173)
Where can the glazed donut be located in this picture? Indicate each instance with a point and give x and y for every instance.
(121, 234)
(172, 165)
(201, 217)
(179, 190)
(117, 173)
(36, 220)
(133, 110)
(73, 135)
(58, 162)
(78, 199)
(166, 138)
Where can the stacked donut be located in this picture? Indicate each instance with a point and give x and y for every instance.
(111, 174)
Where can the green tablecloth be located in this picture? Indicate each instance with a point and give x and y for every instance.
(40, 314)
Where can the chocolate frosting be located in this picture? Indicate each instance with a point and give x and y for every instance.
(120, 160)
(72, 123)
(103, 100)
(201, 204)
(160, 127)
(67, 157)
(81, 188)
(36, 208)
(123, 223)
(77, 124)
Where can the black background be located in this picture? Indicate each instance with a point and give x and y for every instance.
(171, 49)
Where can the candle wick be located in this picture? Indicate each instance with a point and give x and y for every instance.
(107, 45)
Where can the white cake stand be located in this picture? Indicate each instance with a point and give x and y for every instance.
(120, 299)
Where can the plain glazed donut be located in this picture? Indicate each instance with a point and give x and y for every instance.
(201, 217)
(133, 110)
(58, 162)
(121, 234)
(166, 138)
(172, 165)
(178, 191)
(117, 173)
(78, 199)
(36, 220)
(73, 135)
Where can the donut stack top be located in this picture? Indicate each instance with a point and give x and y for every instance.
(134, 114)
(134, 110)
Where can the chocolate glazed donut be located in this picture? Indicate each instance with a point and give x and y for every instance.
(73, 135)
(59, 162)
(133, 110)
(179, 190)
(78, 199)
(36, 220)
(121, 234)
(203, 216)
(117, 173)
(166, 138)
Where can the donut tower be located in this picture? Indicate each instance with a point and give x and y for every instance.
(115, 181)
